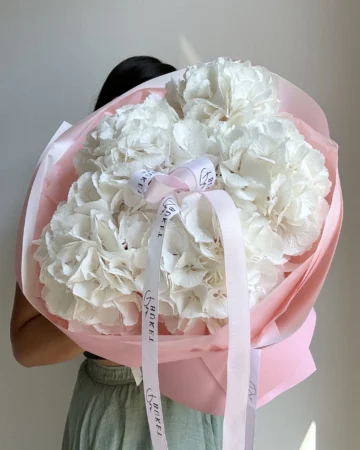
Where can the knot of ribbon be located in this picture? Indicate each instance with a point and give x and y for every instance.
(197, 175)
(241, 395)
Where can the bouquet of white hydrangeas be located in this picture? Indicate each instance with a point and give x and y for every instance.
(93, 253)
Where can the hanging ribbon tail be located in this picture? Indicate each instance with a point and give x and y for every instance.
(252, 399)
(199, 176)
(238, 366)
(150, 313)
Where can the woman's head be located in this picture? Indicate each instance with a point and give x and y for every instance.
(129, 74)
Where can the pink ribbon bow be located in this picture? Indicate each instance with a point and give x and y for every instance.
(198, 175)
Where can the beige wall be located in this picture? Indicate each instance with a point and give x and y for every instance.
(53, 59)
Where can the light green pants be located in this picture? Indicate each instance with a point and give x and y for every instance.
(107, 412)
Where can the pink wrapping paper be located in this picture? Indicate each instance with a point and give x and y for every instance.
(193, 368)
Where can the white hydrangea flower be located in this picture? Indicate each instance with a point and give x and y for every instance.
(263, 277)
(83, 250)
(188, 271)
(215, 303)
(176, 242)
(140, 133)
(190, 301)
(192, 139)
(116, 191)
(198, 217)
(224, 90)
(134, 234)
(201, 223)
(261, 241)
(62, 303)
(274, 172)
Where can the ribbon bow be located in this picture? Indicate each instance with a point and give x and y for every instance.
(199, 175)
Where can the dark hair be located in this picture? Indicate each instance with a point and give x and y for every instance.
(129, 74)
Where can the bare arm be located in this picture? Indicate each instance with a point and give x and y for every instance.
(35, 340)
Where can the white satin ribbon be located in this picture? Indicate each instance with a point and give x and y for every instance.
(199, 175)
(252, 399)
